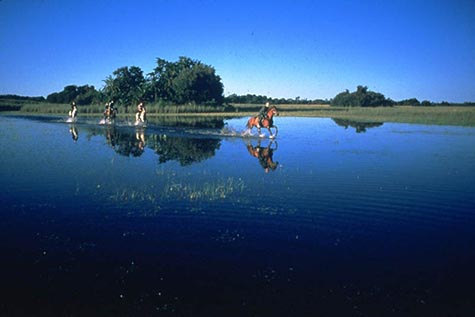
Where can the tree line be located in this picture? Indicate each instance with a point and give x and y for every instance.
(183, 82)
(189, 82)
(260, 99)
(361, 97)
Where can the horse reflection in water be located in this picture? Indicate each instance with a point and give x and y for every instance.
(264, 155)
(140, 138)
(266, 122)
(74, 132)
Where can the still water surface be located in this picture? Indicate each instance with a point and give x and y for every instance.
(190, 219)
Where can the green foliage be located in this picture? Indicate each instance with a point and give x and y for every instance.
(409, 102)
(362, 97)
(82, 95)
(260, 99)
(126, 86)
(20, 99)
(185, 81)
(15, 102)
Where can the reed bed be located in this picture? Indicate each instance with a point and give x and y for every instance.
(439, 115)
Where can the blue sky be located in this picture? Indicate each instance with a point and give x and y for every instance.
(311, 49)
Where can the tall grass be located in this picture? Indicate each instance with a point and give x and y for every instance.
(156, 108)
(461, 116)
(441, 115)
(54, 108)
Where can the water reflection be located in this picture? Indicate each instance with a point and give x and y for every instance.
(360, 127)
(179, 143)
(176, 144)
(74, 132)
(359, 202)
(264, 154)
(184, 150)
(124, 142)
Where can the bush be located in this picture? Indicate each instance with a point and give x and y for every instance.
(362, 97)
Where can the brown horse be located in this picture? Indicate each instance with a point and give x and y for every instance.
(267, 122)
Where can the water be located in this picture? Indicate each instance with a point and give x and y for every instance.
(188, 219)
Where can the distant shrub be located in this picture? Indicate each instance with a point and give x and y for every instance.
(362, 97)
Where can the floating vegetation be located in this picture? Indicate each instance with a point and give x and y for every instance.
(208, 191)
(149, 199)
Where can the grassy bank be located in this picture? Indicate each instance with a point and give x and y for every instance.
(451, 115)
(440, 115)
(459, 116)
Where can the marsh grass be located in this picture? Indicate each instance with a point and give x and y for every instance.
(155, 108)
(438, 115)
(173, 190)
(208, 191)
(460, 116)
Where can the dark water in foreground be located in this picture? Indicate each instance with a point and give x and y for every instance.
(193, 221)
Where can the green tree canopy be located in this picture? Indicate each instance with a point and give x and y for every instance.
(82, 95)
(186, 81)
(126, 85)
(362, 97)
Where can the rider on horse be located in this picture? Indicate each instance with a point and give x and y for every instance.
(140, 114)
(262, 114)
(110, 112)
(74, 110)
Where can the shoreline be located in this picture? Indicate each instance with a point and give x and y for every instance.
(437, 115)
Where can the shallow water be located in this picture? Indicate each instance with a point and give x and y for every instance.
(190, 219)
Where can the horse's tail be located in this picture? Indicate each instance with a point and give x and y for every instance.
(251, 122)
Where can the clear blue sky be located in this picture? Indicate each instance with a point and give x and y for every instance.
(312, 49)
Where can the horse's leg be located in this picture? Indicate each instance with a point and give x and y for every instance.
(275, 134)
(270, 132)
(259, 132)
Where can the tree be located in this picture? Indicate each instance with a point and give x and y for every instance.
(409, 102)
(126, 86)
(362, 97)
(87, 95)
(342, 99)
(82, 95)
(186, 81)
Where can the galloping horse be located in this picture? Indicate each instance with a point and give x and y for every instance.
(267, 122)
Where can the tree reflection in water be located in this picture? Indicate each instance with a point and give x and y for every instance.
(124, 142)
(182, 147)
(183, 150)
(360, 127)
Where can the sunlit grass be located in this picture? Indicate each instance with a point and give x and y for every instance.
(460, 116)
(439, 115)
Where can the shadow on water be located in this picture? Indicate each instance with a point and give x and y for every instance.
(360, 127)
